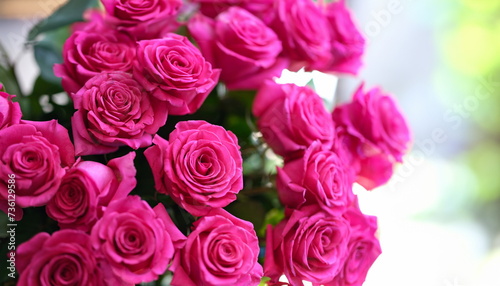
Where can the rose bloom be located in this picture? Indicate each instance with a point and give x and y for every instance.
(363, 248)
(63, 258)
(90, 50)
(88, 188)
(173, 70)
(377, 135)
(346, 42)
(309, 245)
(291, 118)
(304, 31)
(241, 45)
(319, 177)
(263, 9)
(38, 154)
(10, 112)
(200, 166)
(137, 241)
(221, 250)
(142, 19)
(114, 110)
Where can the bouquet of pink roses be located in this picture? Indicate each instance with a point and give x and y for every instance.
(178, 157)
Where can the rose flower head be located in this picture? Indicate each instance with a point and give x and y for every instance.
(375, 134)
(10, 112)
(38, 155)
(320, 178)
(363, 248)
(200, 166)
(88, 188)
(173, 70)
(135, 240)
(291, 118)
(241, 45)
(65, 257)
(113, 110)
(309, 244)
(221, 250)
(142, 19)
(91, 49)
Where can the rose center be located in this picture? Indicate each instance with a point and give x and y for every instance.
(66, 271)
(204, 165)
(31, 159)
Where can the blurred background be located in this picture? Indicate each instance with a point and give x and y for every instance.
(440, 214)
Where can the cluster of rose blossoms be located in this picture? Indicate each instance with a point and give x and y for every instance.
(126, 70)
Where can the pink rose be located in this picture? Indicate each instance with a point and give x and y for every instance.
(347, 43)
(241, 45)
(309, 244)
(137, 241)
(142, 19)
(319, 177)
(200, 166)
(63, 258)
(376, 134)
(88, 188)
(114, 110)
(173, 70)
(37, 154)
(304, 31)
(291, 118)
(90, 50)
(221, 250)
(363, 249)
(10, 112)
(263, 9)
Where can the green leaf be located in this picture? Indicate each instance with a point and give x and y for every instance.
(49, 52)
(7, 74)
(273, 217)
(67, 14)
(4, 57)
(252, 164)
(9, 81)
(311, 84)
(264, 280)
(249, 210)
(42, 86)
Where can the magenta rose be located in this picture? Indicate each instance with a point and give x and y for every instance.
(310, 244)
(319, 177)
(346, 42)
(10, 112)
(142, 19)
(113, 110)
(91, 49)
(137, 241)
(63, 258)
(363, 248)
(200, 166)
(88, 188)
(37, 154)
(291, 118)
(241, 45)
(221, 250)
(304, 31)
(173, 70)
(263, 9)
(377, 135)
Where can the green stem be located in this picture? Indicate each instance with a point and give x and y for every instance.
(19, 91)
